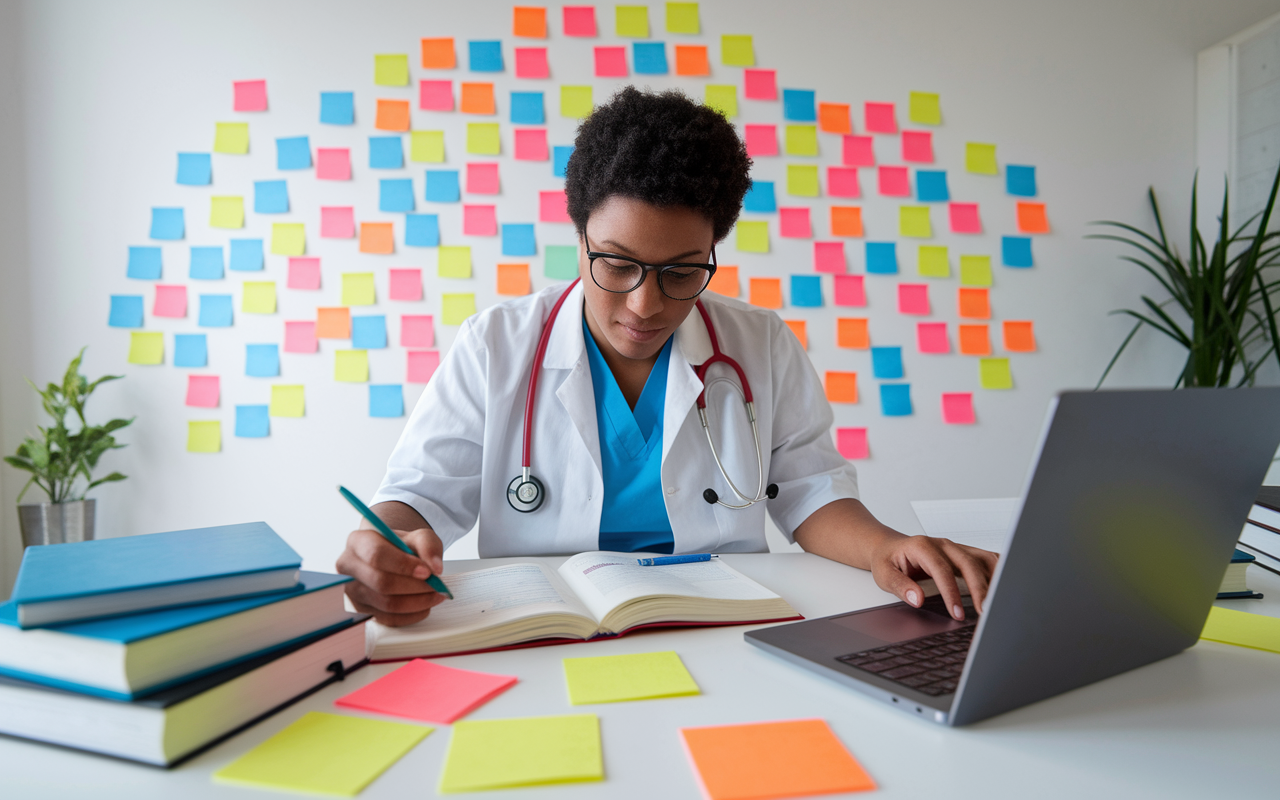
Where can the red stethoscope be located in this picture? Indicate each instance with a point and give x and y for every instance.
(525, 493)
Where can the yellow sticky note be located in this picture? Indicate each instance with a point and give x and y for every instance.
(802, 140)
(483, 139)
(504, 753)
(682, 18)
(288, 239)
(287, 401)
(737, 51)
(331, 754)
(753, 237)
(995, 373)
(351, 366)
(204, 436)
(632, 21)
(802, 180)
(723, 99)
(934, 262)
(357, 289)
(637, 676)
(981, 158)
(259, 297)
(914, 221)
(1242, 629)
(226, 212)
(975, 270)
(427, 146)
(924, 108)
(146, 347)
(231, 138)
(575, 101)
(455, 308)
(455, 261)
(391, 69)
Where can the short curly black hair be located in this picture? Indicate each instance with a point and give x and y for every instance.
(661, 148)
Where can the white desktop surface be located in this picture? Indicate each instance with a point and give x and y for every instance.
(1200, 724)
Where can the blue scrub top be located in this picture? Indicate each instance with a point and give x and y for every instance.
(635, 515)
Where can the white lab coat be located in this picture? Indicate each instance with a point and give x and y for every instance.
(462, 443)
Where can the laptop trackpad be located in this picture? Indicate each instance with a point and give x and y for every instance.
(897, 623)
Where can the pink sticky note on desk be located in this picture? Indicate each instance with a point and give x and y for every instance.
(553, 206)
(300, 337)
(931, 337)
(794, 223)
(957, 408)
(202, 391)
(482, 178)
(850, 290)
(913, 298)
(333, 163)
(880, 118)
(894, 182)
(480, 220)
(304, 273)
(762, 140)
(858, 151)
(337, 222)
(417, 330)
(406, 284)
(852, 442)
(531, 144)
(250, 96)
(917, 146)
(531, 62)
(427, 691)
(843, 182)
(435, 95)
(964, 218)
(611, 62)
(422, 365)
(171, 301)
(829, 257)
(760, 84)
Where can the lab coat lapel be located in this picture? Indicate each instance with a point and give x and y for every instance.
(692, 347)
(566, 350)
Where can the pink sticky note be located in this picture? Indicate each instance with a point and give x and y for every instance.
(300, 337)
(422, 365)
(828, 257)
(417, 330)
(880, 118)
(850, 290)
(171, 301)
(406, 284)
(531, 144)
(482, 178)
(480, 220)
(794, 223)
(333, 163)
(852, 442)
(304, 273)
(957, 408)
(202, 391)
(531, 62)
(427, 691)
(931, 337)
(917, 146)
(913, 298)
(251, 96)
(760, 84)
(337, 222)
(435, 95)
(553, 206)
(894, 182)
(843, 182)
(611, 62)
(579, 20)
(964, 218)
(858, 151)
(762, 140)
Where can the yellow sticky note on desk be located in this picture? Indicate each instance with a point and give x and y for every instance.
(529, 751)
(802, 140)
(391, 69)
(455, 261)
(924, 108)
(981, 158)
(226, 212)
(914, 221)
(259, 297)
(329, 754)
(975, 270)
(351, 366)
(637, 676)
(231, 138)
(146, 347)
(483, 139)
(357, 289)
(753, 237)
(1245, 630)
(287, 401)
(204, 436)
(575, 101)
(455, 308)
(723, 98)
(288, 239)
(802, 180)
(632, 21)
(427, 146)
(994, 373)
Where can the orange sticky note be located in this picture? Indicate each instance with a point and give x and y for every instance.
(393, 115)
(852, 332)
(530, 22)
(377, 237)
(766, 292)
(438, 53)
(1032, 219)
(975, 340)
(799, 328)
(975, 303)
(477, 98)
(513, 279)
(834, 118)
(725, 281)
(1019, 336)
(333, 323)
(842, 387)
(846, 221)
(691, 59)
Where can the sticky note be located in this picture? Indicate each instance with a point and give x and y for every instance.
(482, 178)
(765, 292)
(438, 53)
(882, 258)
(531, 62)
(649, 58)
(293, 152)
(204, 436)
(880, 118)
(337, 222)
(580, 21)
(455, 261)
(974, 303)
(146, 348)
(435, 95)
(760, 198)
(324, 754)
(1015, 251)
(386, 152)
(477, 98)
(752, 237)
(857, 151)
(231, 138)
(485, 56)
(145, 263)
(737, 51)
(829, 257)
(846, 221)
(1242, 629)
(683, 18)
(386, 400)
(288, 239)
(250, 95)
(560, 159)
(377, 237)
(357, 289)
(957, 408)
(913, 298)
(1019, 336)
(895, 399)
(369, 332)
(886, 362)
(852, 332)
(167, 223)
(802, 180)
(287, 401)
(421, 230)
(202, 391)
(395, 194)
(760, 84)
(503, 753)
(442, 186)
(226, 212)
(206, 264)
(800, 329)
(513, 279)
(253, 422)
(518, 240)
(802, 140)
(483, 139)
(171, 301)
(793, 223)
(933, 262)
(246, 255)
(406, 284)
(798, 105)
(529, 21)
(917, 147)
(215, 311)
(994, 373)
(561, 262)
(931, 186)
(270, 197)
(611, 62)
(259, 297)
(931, 337)
(195, 169)
(304, 273)
(527, 108)
(975, 340)
(1031, 218)
(262, 360)
(914, 221)
(634, 676)
(575, 101)
(964, 218)
(333, 163)
(479, 220)
(337, 108)
(422, 365)
(455, 308)
(392, 115)
(852, 443)
(761, 140)
(843, 182)
(806, 291)
(924, 108)
(1020, 180)
(981, 158)
(724, 98)
(724, 281)
(975, 270)
(300, 337)
(631, 21)
(190, 350)
(692, 60)
(841, 387)
(351, 366)
(553, 206)
(894, 181)
(850, 290)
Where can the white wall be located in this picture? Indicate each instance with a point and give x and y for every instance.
(1098, 95)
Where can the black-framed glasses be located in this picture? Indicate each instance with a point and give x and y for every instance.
(620, 274)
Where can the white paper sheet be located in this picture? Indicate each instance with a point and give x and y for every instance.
(984, 523)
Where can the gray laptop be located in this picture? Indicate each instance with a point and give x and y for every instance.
(1128, 521)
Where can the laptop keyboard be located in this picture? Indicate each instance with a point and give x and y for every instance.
(931, 665)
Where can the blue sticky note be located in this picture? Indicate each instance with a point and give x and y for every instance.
(1019, 180)
(760, 197)
(145, 263)
(386, 400)
(931, 186)
(262, 360)
(215, 311)
(1016, 251)
(517, 240)
(386, 152)
(442, 186)
(252, 422)
(293, 152)
(527, 108)
(560, 159)
(190, 350)
(270, 197)
(798, 105)
(806, 291)
(195, 169)
(246, 255)
(369, 332)
(338, 108)
(126, 311)
(421, 230)
(886, 363)
(895, 399)
(166, 223)
(206, 263)
(396, 194)
(650, 58)
(485, 56)
(882, 258)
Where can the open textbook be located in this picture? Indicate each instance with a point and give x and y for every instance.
(591, 595)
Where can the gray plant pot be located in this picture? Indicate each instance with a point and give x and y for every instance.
(56, 523)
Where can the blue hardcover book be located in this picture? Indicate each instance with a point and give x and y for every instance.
(108, 577)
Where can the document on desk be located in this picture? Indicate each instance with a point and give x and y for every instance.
(985, 523)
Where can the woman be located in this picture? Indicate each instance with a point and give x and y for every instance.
(619, 458)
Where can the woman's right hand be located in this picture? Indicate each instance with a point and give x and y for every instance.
(389, 583)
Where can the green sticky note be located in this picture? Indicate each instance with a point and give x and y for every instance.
(351, 366)
(975, 270)
(259, 297)
(737, 51)
(226, 212)
(981, 158)
(427, 146)
(328, 754)
(455, 261)
(455, 308)
(146, 347)
(914, 221)
(723, 99)
(682, 18)
(483, 139)
(1243, 629)
(357, 289)
(924, 108)
(995, 373)
(802, 180)
(231, 138)
(638, 676)
(575, 101)
(933, 262)
(632, 21)
(802, 140)
(753, 237)
(530, 751)
(204, 436)
(391, 70)
(562, 262)
(287, 401)
(288, 239)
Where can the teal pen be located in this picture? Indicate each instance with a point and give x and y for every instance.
(381, 527)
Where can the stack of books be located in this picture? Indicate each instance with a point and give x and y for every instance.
(1261, 535)
(155, 647)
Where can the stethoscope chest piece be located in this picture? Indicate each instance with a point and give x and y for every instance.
(525, 493)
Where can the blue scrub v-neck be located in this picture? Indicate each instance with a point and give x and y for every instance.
(634, 516)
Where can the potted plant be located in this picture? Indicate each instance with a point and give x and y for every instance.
(58, 459)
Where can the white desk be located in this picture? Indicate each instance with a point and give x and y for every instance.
(1201, 724)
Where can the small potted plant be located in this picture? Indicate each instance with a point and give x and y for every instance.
(58, 459)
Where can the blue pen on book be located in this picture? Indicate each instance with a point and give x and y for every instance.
(661, 561)
(381, 527)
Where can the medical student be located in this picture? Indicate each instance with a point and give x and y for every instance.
(618, 458)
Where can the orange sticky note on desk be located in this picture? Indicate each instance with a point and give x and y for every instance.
(725, 281)
(377, 237)
(1032, 219)
(691, 59)
(842, 387)
(766, 292)
(393, 115)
